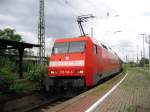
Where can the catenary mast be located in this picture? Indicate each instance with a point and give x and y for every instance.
(41, 32)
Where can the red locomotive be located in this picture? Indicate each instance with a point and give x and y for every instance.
(80, 62)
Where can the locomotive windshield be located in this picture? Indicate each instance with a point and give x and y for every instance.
(69, 47)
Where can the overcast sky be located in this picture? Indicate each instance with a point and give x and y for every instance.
(60, 17)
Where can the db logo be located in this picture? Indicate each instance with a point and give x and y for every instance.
(67, 57)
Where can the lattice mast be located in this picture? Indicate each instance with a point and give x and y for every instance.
(41, 32)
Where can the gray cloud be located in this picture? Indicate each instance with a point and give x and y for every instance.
(60, 17)
(23, 13)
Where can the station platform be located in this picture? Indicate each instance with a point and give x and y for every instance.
(131, 95)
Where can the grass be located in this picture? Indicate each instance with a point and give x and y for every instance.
(132, 109)
(137, 81)
(142, 70)
(137, 78)
(25, 85)
(110, 83)
(21, 86)
(10, 83)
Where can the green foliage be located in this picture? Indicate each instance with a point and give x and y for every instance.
(10, 34)
(23, 86)
(17, 87)
(37, 74)
(132, 109)
(143, 61)
(132, 64)
(7, 75)
(10, 83)
(27, 65)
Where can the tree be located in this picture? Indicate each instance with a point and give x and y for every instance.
(1, 32)
(10, 34)
(132, 63)
(143, 61)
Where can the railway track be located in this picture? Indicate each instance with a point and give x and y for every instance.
(49, 105)
(56, 103)
(45, 101)
(37, 100)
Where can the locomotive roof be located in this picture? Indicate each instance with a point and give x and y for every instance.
(81, 38)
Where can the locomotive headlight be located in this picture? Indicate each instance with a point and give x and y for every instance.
(80, 71)
(52, 72)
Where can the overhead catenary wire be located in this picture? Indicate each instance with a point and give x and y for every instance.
(69, 4)
(93, 6)
(66, 3)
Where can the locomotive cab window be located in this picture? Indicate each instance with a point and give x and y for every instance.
(76, 46)
(60, 48)
(95, 49)
(69, 47)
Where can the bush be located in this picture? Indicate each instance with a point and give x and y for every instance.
(143, 61)
(27, 65)
(9, 82)
(7, 76)
(23, 85)
(18, 87)
(37, 74)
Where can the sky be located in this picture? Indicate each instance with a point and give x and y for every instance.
(120, 30)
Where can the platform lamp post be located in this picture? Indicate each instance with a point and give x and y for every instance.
(147, 40)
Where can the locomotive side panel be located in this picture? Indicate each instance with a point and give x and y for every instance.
(97, 63)
(106, 62)
(89, 64)
(110, 63)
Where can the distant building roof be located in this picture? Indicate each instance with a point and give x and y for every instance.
(4, 43)
(20, 46)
